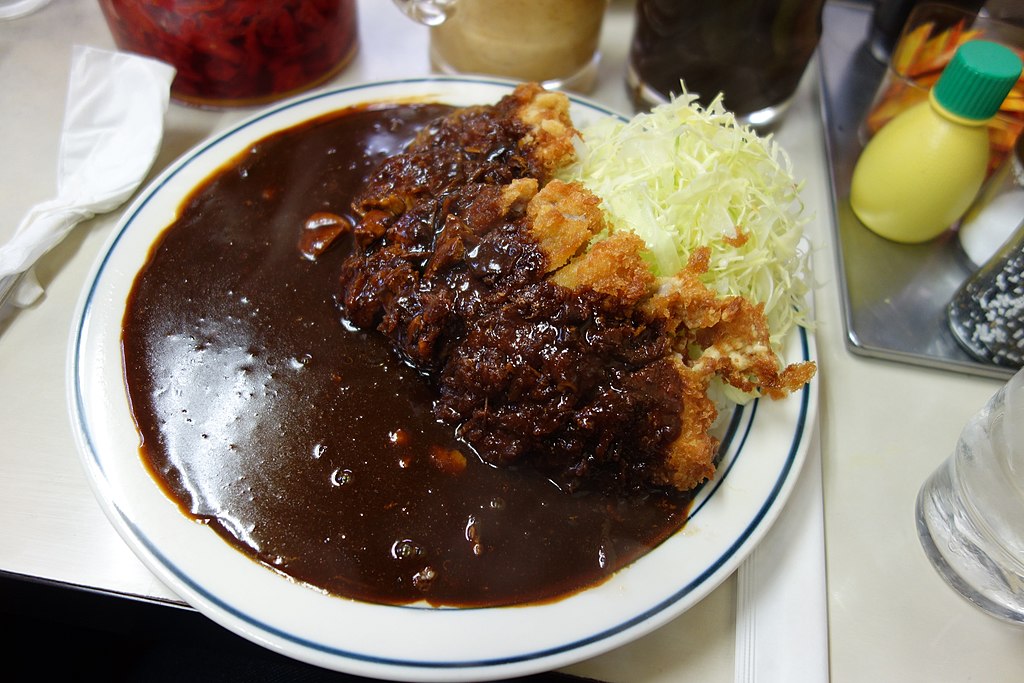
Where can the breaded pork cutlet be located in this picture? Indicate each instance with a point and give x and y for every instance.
(549, 341)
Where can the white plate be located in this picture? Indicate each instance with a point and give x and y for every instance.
(761, 460)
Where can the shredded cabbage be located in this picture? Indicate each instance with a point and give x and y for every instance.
(681, 176)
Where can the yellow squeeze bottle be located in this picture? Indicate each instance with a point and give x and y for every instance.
(922, 170)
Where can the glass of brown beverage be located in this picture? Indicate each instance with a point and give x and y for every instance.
(753, 52)
(554, 42)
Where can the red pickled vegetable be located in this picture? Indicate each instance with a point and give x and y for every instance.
(238, 52)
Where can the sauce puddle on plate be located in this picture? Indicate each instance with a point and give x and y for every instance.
(311, 447)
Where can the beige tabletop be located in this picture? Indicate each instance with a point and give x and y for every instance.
(883, 426)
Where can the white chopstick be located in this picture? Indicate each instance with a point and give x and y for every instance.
(781, 607)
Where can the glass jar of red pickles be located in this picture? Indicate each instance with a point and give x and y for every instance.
(238, 52)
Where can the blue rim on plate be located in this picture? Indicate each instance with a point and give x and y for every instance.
(774, 432)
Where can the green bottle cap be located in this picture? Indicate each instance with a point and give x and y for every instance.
(977, 79)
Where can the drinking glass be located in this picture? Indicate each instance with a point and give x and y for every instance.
(754, 52)
(970, 512)
(554, 42)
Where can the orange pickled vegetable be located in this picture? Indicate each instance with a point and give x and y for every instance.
(919, 60)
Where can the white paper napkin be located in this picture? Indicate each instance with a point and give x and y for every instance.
(781, 610)
(113, 127)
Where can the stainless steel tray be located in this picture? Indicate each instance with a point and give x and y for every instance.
(894, 296)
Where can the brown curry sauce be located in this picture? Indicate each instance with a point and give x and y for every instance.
(312, 447)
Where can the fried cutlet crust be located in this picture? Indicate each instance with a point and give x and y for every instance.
(549, 340)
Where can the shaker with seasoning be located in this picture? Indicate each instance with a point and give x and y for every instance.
(921, 172)
(997, 211)
(986, 314)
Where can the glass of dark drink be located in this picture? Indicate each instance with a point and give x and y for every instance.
(753, 52)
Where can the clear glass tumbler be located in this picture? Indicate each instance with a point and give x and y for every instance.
(970, 512)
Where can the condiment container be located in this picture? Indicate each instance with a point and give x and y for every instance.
(238, 52)
(997, 211)
(929, 39)
(986, 314)
(922, 170)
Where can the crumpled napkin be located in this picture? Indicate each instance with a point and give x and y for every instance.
(113, 127)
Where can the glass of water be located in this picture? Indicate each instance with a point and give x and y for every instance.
(970, 512)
